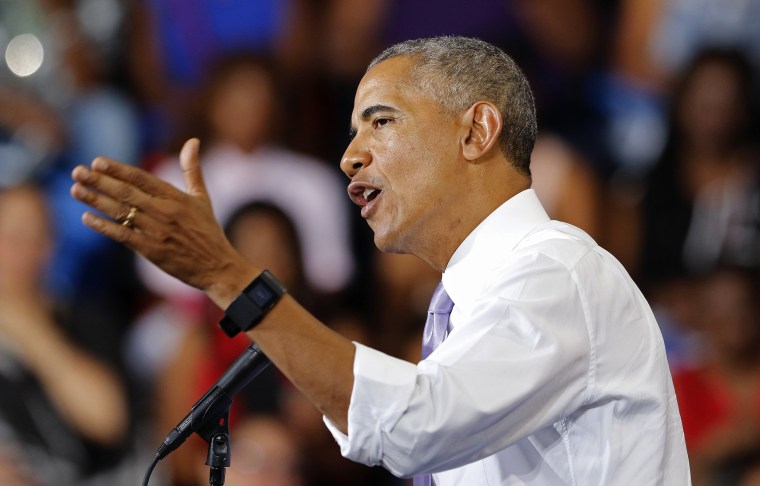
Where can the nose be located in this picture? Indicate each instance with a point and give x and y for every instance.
(354, 159)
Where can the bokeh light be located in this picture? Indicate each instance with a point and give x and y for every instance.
(24, 55)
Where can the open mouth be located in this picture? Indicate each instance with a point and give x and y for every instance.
(362, 194)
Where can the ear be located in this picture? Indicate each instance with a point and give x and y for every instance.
(482, 122)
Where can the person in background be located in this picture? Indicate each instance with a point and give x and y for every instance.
(701, 201)
(567, 185)
(238, 114)
(237, 111)
(654, 41)
(63, 409)
(265, 454)
(170, 46)
(700, 204)
(720, 398)
(264, 234)
(67, 111)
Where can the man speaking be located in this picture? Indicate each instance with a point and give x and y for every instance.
(542, 361)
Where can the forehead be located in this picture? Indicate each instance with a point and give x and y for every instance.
(389, 81)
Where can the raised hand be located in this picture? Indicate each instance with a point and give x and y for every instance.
(175, 230)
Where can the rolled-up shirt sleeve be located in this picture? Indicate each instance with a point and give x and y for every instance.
(383, 386)
(518, 363)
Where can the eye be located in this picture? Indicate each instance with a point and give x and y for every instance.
(380, 122)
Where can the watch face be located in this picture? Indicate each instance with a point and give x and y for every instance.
(252, 304)
(261, 294)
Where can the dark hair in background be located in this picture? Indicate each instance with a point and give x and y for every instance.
(736, 61)
(197, 123)
(293, 242)
(667, 206)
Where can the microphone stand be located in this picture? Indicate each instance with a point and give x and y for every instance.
(215, 430)
(209, 417)
(218, 457)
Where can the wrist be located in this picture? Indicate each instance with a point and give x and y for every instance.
(230, 283)
(252, 304)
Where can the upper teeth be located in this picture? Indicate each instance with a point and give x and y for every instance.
(368, 192)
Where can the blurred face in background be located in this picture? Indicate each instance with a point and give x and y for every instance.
(729, 315)
(25, 237)
(564, 30)
(263, 454)
(713, 105)
(241, 107)
(264, 238)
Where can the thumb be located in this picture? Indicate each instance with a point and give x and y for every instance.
(191, 168)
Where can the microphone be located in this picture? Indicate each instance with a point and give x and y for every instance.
(213, 407)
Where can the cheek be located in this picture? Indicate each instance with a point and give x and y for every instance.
(416, 168)
(412, 165)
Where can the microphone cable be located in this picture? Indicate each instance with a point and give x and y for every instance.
(148, 473)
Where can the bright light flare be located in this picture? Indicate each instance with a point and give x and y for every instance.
(24, 55)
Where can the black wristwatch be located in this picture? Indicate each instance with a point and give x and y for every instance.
(250, 307)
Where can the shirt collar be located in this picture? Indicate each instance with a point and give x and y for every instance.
(493, 238)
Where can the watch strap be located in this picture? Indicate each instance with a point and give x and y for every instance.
(253, 303)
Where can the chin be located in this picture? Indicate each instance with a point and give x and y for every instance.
(388, 243)
(382, 245)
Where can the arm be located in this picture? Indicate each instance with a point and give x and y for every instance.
(20, 112)
(178, 232)
(14, 468)
(99, 413)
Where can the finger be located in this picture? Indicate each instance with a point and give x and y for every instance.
(115, 231)
(132, 176)
(106, 194)
(116, 210)
(191, 168)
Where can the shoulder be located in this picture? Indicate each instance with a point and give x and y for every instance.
(557, 259)
(557, 242)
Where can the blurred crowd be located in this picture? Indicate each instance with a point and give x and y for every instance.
(649, 141)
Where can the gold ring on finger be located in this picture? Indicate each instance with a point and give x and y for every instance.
(130, 219)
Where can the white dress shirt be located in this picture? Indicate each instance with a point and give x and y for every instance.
(553, 372)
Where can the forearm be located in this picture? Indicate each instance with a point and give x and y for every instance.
(20, 111)
(86, 393)
(316, 359)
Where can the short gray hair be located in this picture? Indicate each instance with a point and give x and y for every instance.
(459, 71)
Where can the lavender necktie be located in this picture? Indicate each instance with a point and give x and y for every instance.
(436, 327)
(437, 323)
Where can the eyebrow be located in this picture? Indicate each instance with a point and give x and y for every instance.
(371, 110)
(367, 113)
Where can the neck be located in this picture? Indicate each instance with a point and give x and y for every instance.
(465, 216)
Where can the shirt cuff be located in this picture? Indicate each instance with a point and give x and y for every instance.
(383, 386)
